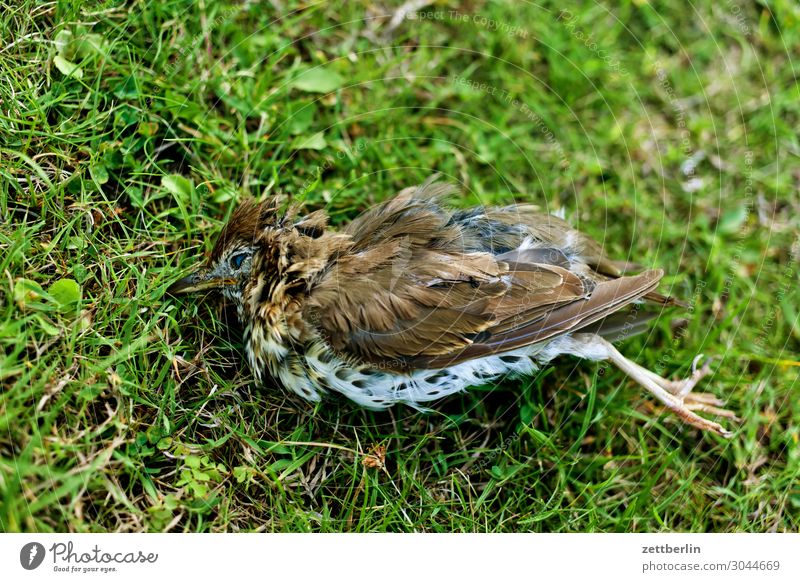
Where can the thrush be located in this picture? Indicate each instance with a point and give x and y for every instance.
(414, 301)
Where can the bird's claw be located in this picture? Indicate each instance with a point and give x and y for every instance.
(700, 401)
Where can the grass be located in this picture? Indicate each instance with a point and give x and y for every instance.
(129, 130)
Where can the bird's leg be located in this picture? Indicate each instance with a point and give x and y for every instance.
(675, 395)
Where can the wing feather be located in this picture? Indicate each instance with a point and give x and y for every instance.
(416, 289)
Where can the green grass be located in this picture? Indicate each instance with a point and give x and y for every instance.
(132, 411)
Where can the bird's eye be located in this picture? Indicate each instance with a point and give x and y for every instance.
(237, 260)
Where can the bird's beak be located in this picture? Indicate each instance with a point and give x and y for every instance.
(202, 280)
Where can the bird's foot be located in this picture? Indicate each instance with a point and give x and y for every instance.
(697, 401)
(676, 395)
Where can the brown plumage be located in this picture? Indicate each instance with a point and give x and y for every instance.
(413, 301)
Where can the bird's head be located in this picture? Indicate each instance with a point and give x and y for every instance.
(230, 264)
(263, 253)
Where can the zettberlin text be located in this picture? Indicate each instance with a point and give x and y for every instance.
(665, 549)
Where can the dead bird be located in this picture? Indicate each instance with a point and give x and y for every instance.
(413, 301)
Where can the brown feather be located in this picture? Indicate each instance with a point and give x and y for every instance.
(246, 224)
(606, 298)
(408, 290)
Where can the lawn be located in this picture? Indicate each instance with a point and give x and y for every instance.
(130, 129)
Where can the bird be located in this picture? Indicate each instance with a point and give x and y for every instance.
(414, 300)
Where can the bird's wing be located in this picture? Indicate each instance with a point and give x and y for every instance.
(407, 295)
(510, 225)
